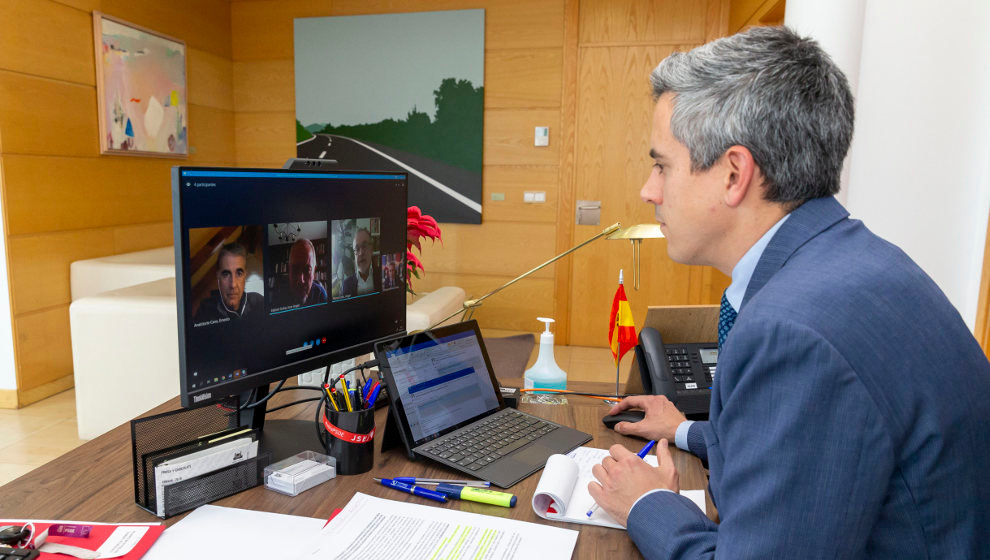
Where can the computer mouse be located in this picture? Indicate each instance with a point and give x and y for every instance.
(626, 416)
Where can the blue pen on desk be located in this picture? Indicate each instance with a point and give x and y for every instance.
(414, 490)
(414, 480)
(642, 453)
(366, 389)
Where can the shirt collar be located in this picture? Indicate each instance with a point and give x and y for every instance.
(743, 271)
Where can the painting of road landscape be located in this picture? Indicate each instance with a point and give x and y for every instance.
(397, 92)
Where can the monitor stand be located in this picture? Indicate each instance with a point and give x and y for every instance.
(281, 438)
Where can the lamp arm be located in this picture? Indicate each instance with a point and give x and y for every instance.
(473, 303)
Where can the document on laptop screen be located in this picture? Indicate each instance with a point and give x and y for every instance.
(442, 382)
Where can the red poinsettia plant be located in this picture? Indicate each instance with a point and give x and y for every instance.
(418, 226)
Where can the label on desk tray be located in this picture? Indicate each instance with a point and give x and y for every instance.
(349, 437)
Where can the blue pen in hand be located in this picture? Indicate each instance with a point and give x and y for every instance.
(414, 490)
(642, 453)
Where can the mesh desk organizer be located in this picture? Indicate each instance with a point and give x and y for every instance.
(180, 431)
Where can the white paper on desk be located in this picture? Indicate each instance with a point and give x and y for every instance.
(562, 493)
(200, 462)
(370, 527)
(214, 532)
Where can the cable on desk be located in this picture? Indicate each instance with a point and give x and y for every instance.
(600, 396)
(280, 407)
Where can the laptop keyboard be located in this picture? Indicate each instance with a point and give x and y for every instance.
(489, 439)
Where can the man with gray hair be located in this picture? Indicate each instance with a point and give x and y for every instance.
(850, 412)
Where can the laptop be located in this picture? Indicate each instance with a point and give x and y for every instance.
(446, 404)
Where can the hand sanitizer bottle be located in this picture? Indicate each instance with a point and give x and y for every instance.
(545, 374)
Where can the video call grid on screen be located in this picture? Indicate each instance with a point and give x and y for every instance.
(271, 298)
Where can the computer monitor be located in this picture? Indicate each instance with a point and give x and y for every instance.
(280, 272)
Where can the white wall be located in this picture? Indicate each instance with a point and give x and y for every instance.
(920, 159)
(7, 376)
(837, 25)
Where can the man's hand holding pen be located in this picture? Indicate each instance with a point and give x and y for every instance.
(623, 477)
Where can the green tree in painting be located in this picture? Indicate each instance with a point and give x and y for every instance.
(301, 132)
(454, 137)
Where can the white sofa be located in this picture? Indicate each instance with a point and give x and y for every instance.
(125, 349)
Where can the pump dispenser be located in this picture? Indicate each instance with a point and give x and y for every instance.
(545, 373)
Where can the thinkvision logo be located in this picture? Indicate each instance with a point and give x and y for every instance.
(203, 397)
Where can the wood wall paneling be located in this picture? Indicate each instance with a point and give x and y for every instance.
(265, 137)
(209, 81)
(140, 237)
(264, 85)
(568, 158)
(509, 137)
(202, 24)
(496, 249)
(264, 30)
(84, 5)
(523, 78)
(982, 327)
(41, 277)
(509, 24)
(515, 308)
(43, 38)
(512, 181)
(44, 116)
(642, 21)
(43, 347)
(45, 194)
(211, 135)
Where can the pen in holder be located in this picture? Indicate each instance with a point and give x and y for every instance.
(349, 437)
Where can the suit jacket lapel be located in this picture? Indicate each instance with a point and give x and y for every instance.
(807, 221)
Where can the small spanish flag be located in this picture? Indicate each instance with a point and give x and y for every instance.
(621, 329)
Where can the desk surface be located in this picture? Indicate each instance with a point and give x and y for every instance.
(94, 482)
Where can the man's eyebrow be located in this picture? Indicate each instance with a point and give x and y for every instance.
(655, 155)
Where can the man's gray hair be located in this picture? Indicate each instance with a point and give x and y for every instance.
(233, 248)
(772, 91)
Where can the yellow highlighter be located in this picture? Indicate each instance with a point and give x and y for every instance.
(482, 495)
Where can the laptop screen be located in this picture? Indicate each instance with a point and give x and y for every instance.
(442, 382)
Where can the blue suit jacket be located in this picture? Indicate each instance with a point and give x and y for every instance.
(850, 414)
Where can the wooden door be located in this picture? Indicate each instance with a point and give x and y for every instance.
(620, 42)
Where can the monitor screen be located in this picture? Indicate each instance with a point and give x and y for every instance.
(279, 272)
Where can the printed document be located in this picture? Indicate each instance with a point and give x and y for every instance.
(370, 527)
(562, 493)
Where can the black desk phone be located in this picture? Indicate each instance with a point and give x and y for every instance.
(683, 372)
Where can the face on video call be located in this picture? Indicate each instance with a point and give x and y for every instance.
(302, 263)
(362, 252)
(231, 275)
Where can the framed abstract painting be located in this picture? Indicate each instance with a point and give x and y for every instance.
(141, 90)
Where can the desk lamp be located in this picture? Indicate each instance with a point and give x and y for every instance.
(636, 234)
(470, 305)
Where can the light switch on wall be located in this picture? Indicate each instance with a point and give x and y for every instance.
(542, 136)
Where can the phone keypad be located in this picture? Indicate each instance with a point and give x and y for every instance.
(680, 361)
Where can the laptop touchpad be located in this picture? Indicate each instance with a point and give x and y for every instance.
(535, 455)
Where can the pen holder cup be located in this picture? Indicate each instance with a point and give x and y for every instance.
(349, 437)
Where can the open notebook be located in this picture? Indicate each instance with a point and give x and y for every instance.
(562, 493)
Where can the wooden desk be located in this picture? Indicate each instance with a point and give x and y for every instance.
(94, 482)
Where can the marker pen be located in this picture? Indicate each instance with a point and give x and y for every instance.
(482, 495)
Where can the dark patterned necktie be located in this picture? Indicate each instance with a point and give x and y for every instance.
(726, 318)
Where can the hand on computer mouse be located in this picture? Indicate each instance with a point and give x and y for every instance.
(660, 421)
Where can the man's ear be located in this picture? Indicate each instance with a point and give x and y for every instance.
(741, 170)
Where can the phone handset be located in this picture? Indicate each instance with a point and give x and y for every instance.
(653, 367)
